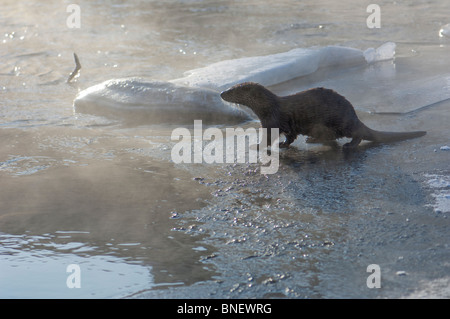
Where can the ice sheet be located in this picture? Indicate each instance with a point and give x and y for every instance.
(195, 96)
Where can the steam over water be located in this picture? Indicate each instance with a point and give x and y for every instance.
(96, 187)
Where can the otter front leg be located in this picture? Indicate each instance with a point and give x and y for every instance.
(268, 138)
(283, 145)
(289, 140)
(265, 139)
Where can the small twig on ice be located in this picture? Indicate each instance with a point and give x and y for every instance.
(77, 68)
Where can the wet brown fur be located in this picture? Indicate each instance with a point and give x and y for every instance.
(319, 113)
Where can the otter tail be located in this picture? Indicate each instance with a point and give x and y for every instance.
(386, 137)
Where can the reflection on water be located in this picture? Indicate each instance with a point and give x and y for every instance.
(36, 267)
(90, 203)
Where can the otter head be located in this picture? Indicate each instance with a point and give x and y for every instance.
(249, 94)
(260, 100)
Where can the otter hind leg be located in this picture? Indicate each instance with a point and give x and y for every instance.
(353, 143)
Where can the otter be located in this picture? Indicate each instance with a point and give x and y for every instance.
(319, 113)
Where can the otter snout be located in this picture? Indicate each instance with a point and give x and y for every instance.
(228, 96)
(232, 95)
(224, 95)
(242, 93)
